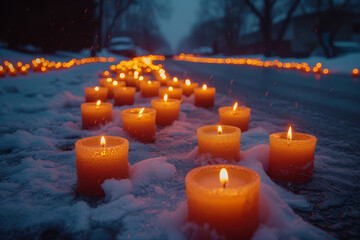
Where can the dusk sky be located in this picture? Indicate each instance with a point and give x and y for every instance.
(179, 23)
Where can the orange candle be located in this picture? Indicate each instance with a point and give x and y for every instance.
(188, 87)
(204, 96)
(139, 123)
(112, 86)
(162, 79)
(105, 74)
(226, 197)
(149, 89)
(175, 93)
(93, 94)
(100, 158)
(124, 96)
(104, 82)
(2, 71)
(221, 141)
(131, 80)
(291, 156)
(173, 83)
(95, 114)
(167, 110)
(235, 116)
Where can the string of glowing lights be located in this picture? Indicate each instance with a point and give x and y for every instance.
(43, 65)
(304, 67)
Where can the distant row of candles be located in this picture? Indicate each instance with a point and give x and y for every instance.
(43, 65)
(225, 196)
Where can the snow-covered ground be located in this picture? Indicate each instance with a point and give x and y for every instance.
(40, 123)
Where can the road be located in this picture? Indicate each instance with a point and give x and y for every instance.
(325, 106)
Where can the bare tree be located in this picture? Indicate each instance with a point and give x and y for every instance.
(265, 16)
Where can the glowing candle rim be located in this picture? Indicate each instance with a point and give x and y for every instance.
(92, 143)
(134, 112)
(239, 111)
(94, 105)
(219, 192)
(282, 136)
(213, 130)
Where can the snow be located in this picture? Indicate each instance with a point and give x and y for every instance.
(41, 121)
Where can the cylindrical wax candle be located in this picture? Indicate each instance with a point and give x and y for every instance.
(221, 141)
(235, 116)
(150, 89)
(93, 94)
(139, 123)
(171, 92)
(167, 110)
(114, 85)
(124, 96)
(291, 156)
(229, 203)
(188, 87)
(100, 158)
(173, 83)
(95, 114)
(204, 96)
(104, 82)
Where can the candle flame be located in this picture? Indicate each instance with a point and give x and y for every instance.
(102, 141)
(98, 103)
(224, 177)
(122, 75)
(235, 106)
(141, 112)
(141, 78)
(109, 79)
(219, 129)
(115, 83)
(175, 79)
(289, 134)
(149, 82)
(96, 88)
(187, 82)
(204, 87)
(171, 88)
(165, 97)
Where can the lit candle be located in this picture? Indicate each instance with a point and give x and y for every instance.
(114, 85)
(221, 141)
(106, 74)
(100, 158)
(204, 96)
(139, 123)
(149, 89)
(95, 114)
(2, 71)
(93, 94)
(291, 156)
(171, 92)
(104, 82)
(131, 80)
(226, 197)
(174, 83)
(188, 87)
(167, 110)
(235, 116)
(124, 96)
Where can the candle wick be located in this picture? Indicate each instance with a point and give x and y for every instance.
(224, 184)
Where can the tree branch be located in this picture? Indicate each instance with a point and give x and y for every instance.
(253, 8)
(119, 11)
(287, 20)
